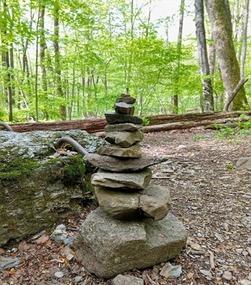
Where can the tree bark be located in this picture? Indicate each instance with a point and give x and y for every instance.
(203, 56)
(5, 29)
(43, 49)
(219, 15)
(244, 39)
(175, 97)
(59, 90)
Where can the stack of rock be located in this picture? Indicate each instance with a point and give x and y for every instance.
(132, 228)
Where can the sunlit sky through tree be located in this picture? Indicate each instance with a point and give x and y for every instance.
(162, 9)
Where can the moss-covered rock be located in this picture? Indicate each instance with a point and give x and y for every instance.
(38, 187)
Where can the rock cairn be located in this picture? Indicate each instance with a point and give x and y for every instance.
(132, 228)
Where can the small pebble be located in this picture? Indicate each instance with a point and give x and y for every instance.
(59, 274)
(227, 275)
(78, 279)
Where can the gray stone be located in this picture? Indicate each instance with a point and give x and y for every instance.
(169, 270)
(124, 152)
(37, 185)
(114, 118)
(119, 205)
(124, 108)
(78, 279)
(152, 202)
(123, 165)
(8, 262)
(128, 127)
(129, 181)
(127, 280)
(59, 234)
(244, 163)
(107, 246)
(124, 139)
(155, 201)
(59, 274)
(227, 275)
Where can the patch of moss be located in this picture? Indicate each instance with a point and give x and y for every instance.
(17, 168)
(74, 170)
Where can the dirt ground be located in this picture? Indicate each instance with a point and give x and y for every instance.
(209, 195)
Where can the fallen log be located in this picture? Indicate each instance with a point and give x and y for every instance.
(98, 124)
(161, 119)
(191, 124)
(89, 125)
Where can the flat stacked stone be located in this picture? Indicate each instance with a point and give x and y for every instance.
(132, 228)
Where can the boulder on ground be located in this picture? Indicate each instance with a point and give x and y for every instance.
(37, 185)
(107, 246)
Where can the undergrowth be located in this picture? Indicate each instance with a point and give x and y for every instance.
(230, 131)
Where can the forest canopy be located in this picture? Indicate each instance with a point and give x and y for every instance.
(65, 59)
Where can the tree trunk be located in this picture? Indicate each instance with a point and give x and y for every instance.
(36, 67)
(175, 98)
(42, 49)
(219, 15)
(203, 57)
(5, 29)
(244, 39)
(59, 90)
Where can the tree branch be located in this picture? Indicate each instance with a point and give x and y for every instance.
(234, 93)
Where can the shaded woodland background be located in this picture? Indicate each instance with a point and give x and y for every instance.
(65, 59)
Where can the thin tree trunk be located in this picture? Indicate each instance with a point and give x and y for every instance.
(208, 98)
(6, 60)
(59, 90)
(179, 44)
(244, 39)
(36, 68)
(42, 50)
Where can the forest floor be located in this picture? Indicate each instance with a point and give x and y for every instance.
(209, 195)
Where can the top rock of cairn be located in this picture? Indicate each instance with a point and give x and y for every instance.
(124, 111)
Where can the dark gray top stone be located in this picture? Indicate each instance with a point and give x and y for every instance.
(114, 118)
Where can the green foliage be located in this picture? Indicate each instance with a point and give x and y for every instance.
(101, 53)
(146, 121)
(243, 127)
(198, 137)
(230, 166)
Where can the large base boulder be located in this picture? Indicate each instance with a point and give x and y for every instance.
(107, 246)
